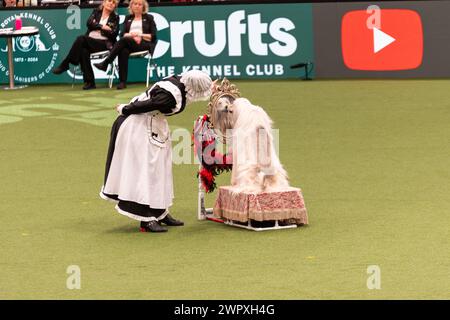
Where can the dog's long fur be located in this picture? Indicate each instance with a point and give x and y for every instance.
(256, 166)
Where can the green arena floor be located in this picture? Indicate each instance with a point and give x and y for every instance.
(372, 159)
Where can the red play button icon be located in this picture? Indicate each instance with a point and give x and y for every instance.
(394, 43)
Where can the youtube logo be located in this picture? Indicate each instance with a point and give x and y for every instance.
(382, 39)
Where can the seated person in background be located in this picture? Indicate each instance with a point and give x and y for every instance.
(9, 3)
(139, 34)
(103, 27)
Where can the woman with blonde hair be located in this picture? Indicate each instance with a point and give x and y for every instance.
(139, 34)
(103, 27)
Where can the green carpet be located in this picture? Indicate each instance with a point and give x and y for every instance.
(372, 159)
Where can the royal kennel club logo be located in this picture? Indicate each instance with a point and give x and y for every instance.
(40, 50)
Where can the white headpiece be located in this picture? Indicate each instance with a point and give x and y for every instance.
(198, 85)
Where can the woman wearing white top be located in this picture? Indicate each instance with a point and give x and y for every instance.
(103, 28)
(139, 34)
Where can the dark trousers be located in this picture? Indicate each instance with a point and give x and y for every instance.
(122, 49)
(80, 53)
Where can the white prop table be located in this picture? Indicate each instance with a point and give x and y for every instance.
(269, 210)
(256, 211)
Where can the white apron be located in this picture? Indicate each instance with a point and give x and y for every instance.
(141, 168)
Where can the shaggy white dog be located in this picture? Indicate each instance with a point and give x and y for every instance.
(256, 166)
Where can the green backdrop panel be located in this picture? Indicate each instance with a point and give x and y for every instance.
(237, 41)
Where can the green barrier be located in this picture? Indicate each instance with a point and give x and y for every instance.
(236, 41)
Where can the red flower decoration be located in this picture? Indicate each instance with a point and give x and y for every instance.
(213, 162)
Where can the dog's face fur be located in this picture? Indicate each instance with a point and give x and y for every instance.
(223, 116)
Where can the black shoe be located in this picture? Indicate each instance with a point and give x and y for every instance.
(102, 66)
(121, 86)
(89, 86)
(171, 221)
(60, 69)
(152, 226)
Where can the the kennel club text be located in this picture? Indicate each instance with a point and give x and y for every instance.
(226, 309)
(227, 70)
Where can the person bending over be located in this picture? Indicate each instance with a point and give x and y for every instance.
(138, 174)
